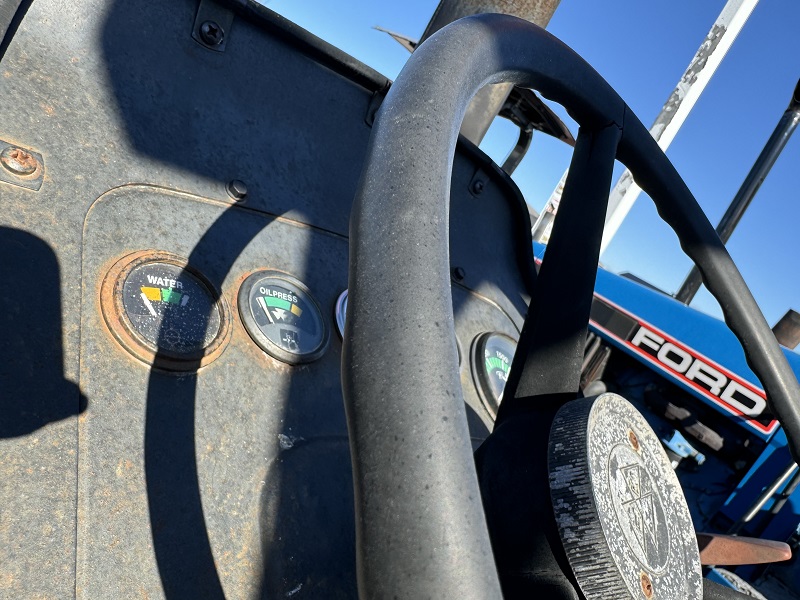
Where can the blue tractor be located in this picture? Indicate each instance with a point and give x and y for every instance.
(687, 372)
(256, 331)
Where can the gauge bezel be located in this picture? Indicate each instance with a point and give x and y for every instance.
(123, 330)
(340, 313)
(255, 333)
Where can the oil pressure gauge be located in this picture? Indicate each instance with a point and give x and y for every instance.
(282, 317)
(491, 357)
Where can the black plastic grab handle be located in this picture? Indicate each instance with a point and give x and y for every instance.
(420, 526)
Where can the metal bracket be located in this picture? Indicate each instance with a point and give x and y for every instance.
(212, 25)
(21, 166)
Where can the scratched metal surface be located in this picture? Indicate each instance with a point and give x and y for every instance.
(152, 491)
(241, 471)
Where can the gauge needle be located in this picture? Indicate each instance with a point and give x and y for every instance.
(149, 305)
(263, 306)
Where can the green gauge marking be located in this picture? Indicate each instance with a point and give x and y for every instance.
(491, 357)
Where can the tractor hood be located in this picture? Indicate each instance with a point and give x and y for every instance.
(697, 352)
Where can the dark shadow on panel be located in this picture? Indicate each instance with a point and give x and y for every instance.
(308, 527)
(34, 390)
(280, 125)
(180, 539)
(260, 111)
(247, 114)
(307, 518)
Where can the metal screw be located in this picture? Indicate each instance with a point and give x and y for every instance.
(459, 274)
(477, 187)
(647, 585)
(18, 162)
(211, 33)
(633, 440)
(236, 189)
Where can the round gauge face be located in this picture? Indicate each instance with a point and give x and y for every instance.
(282, 317)
(170, 309)
(492, 354)
(164, 312)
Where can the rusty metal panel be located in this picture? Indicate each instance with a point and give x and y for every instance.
(118, 479)
(221, 479)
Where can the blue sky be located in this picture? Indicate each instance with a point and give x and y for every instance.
(642, 47)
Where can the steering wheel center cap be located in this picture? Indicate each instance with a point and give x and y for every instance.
(619, 508)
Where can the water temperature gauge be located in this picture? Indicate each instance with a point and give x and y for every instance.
(163, 311)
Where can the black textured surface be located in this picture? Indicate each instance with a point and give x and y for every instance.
(551, 346)
(512, 469)
(399, 227)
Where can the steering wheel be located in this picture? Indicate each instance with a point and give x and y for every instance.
(426, 526)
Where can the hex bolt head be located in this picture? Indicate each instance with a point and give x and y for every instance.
(459, 273)
(18, 162)
(236, 189)
(211, 33)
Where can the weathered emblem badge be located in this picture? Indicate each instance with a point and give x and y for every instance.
(617, 500)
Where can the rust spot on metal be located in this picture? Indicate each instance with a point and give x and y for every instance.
(728, 550)
(647, 585)
(19, 162)
(634, 441)
(694, 69)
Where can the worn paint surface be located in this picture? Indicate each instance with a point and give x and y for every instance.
(123, 480)
(619, 507)
(680, 103)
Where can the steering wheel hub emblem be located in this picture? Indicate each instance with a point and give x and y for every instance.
(638, 508)
(617, 501)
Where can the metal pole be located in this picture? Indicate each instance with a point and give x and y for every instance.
(763, 499)
(489, 100)
(677, 107)
(680, 103)
(756, 176)
(785, 494)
